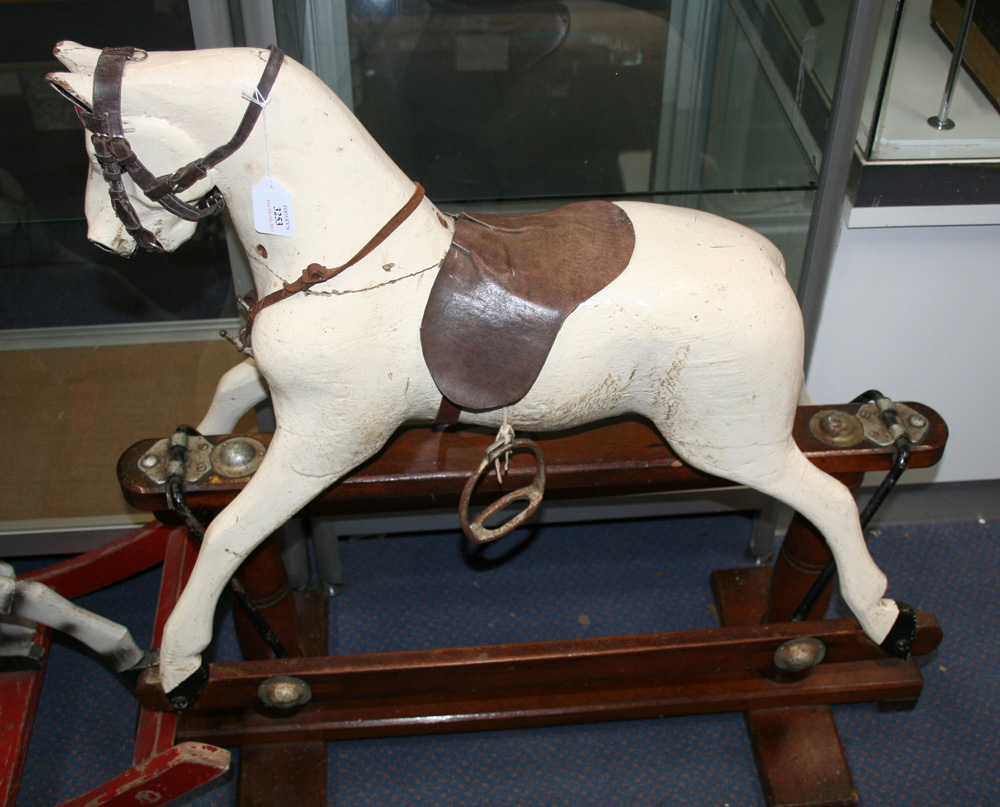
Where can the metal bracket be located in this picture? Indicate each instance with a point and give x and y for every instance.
(233, 458)
(840, 429)
(875, 430)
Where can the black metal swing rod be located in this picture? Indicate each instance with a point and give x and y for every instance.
(177, 456)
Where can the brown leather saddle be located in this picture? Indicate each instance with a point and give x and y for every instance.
(504, 290)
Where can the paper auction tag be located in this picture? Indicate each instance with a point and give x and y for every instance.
(272, 209)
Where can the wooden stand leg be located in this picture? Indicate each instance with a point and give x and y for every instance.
(266, 581)
(800, 758)
(799, 755)
(274, 775)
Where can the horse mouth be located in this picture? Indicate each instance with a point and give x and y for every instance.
(124, 247)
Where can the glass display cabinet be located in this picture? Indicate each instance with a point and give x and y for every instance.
(521, 105)
(930, 129)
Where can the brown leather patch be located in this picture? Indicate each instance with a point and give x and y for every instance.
(504, 290)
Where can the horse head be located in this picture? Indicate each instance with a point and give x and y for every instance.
(151, 142)
(175, 136)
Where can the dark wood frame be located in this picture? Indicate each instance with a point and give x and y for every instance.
(729, 668)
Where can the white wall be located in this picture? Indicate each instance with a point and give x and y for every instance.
(913, 311)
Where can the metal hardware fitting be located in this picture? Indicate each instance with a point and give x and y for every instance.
(475, 529)
(233, 458)
(284, 692)
(913, 423)
(843, 430)
(797, 655)
(836, 428)
(237, 456)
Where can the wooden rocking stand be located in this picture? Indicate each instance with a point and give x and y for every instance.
(731, 668)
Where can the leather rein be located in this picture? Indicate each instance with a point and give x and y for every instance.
(115, 155)
(317, 273)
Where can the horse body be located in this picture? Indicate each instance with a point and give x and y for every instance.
(701, 333)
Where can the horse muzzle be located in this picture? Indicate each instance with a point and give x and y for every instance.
(113, 239)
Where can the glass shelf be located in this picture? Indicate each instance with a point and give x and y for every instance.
(55, 278)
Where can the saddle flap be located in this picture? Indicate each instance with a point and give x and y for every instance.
(504, 290)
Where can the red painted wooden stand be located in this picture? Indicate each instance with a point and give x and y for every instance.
(161, 770)
(729, 668)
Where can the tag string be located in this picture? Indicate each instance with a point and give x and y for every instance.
(262, 102)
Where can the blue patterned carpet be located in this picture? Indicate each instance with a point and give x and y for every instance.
(574, 581)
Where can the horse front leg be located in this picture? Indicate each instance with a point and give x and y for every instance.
(276, 492)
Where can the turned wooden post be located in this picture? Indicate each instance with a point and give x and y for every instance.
(264, 577)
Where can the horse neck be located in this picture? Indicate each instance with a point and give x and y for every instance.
(344, 187)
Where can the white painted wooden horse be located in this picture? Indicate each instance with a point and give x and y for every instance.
(700, 333)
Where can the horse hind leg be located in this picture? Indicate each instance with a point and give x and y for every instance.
(782, 471)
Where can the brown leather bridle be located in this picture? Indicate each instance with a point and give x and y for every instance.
(115, 155)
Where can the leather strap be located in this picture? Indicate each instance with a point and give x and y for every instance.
(317, 273)
(447, 415)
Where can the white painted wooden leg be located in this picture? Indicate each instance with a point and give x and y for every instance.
(276, 492)
(782, 471)
(238, 390)
(28, 599)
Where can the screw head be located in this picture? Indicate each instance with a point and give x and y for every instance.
(237, 453)
(836, 428)
(237, 456)
(834, 424)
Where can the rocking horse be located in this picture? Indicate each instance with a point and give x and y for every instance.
(372, 307)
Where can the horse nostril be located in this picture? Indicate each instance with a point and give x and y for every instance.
(99, 245)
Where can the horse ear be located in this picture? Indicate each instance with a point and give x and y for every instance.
(75, 87)
(77, 57)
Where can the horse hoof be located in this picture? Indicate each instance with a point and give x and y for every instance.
(899, 641)
(187, 691)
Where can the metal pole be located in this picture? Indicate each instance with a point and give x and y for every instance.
(941, 120)
(845, 117)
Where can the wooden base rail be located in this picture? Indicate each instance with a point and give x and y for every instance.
(543, 684)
